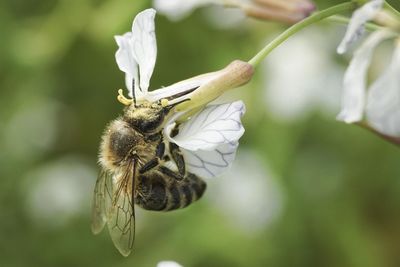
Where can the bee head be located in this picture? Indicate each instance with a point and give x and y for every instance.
(146, 117)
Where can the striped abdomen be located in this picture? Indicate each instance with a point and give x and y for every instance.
(157, 191)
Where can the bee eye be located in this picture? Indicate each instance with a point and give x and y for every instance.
(148, 124)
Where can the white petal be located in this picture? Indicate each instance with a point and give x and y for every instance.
(213, 126)
(144, 46)
(125, 59)
(178, 9)
(383, 103)
(168, 264)
(354, 84)
(210, 163)
(356, 26)
(180, 88)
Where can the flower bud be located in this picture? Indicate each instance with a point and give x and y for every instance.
(290, 11)
(387, 19)
(237, 73)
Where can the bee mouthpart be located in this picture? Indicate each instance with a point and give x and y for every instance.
(167, 105)
(122, 99)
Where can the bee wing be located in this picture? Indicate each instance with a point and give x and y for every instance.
(102, 196)
(121, 211)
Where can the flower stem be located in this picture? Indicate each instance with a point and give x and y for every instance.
(392, 9)
(345, 20)
(390, 139)
(299, 26)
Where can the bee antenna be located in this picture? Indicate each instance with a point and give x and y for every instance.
(133, 93)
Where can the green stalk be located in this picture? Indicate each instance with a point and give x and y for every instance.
(299, 26)
(390, 139)
(392, 9)
(345, 20)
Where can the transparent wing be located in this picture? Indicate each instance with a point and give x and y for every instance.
(213, 126)
(209, 164)
(144, 46)
(121, 213)
(101, 197)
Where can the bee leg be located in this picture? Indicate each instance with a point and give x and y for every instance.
(170, 173)
(155, 161)
(178, 158)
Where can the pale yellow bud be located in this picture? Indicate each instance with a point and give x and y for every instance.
(234, 75)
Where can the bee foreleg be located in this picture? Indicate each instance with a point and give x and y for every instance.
(155, 161)
(178, 158)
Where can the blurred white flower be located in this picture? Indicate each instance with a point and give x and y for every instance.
(32, 129)
(381, 101)
(233, 17)
(213, 132)
(308, 83)
(178, 9)
(356, 26)
(60, 190)
(288, 11)
(254, 199)
(355, 79)
(168, 264)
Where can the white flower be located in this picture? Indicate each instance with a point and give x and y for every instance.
(58, 191)
(210, 138)
(354, 84)
(288, 11)
(293, 91)
(261, 200)
(137, 52)
(178, 9)
(168, 264)
(381, 101)
(356, 26)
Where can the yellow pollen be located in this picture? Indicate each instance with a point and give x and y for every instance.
(164, 102)
(122, 99)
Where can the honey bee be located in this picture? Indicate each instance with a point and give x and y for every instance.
(140, 167)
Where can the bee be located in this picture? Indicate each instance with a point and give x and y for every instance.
(140, 167)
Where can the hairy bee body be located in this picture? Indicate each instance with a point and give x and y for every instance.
(139, 167)
(136, 137)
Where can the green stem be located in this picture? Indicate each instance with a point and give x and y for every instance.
(299, 26)
(390, 139)
(392, 9)
(345, 20)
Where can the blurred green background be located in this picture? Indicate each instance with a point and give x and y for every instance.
(305, 189)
